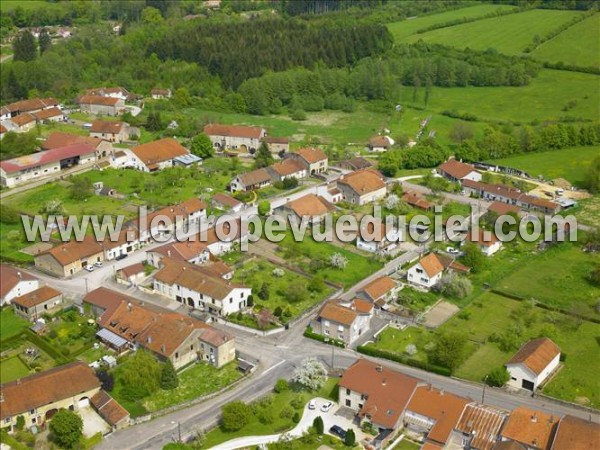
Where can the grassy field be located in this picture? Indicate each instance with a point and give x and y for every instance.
(274, 404)
(12, 369)
(568, 163)
(11, 324)
(508, 34)
(405, 28)
(588, 211)
(10, 5)
(561, 49)
(543, 99)
(396, 340)
(12, 240)
(196, 381)
(556, 277)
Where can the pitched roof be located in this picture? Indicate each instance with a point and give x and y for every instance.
(182, 251)
(337, 313)
(480, 238)
(2, 129)
(450, 263)
(508, 445)
(310, 205)
(23, 119)
(380, 141)
(311, 154)
(109, 408)
(388, 392)
(47, 113)
(106, 126)
(494, 189)
(379, 287)
(414, 199)
(536, 354)
(54, 155)
(74, 250)
(233, 131)
(108, 90)
(133, 269)
(358, 163)
(363, 181)
(574, 433)
(276, 140)
(158, 151)
(10, 276)
(362, 306)
(158, 91)
(530, 427)
(483, 423)
(98, 100)
(30, 105)
(226, 200)
(431, 264)
(443, 407)
(60, 139)
(287, 167)
(172, 212)
(47, 387)
(502, 208)
(538, 201)
(255, 177)
(108, 300)
(456, 169)
(37, 297)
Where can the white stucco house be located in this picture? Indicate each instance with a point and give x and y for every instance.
(427, 272)
(15, 283)
(533, 364)
(486, 241)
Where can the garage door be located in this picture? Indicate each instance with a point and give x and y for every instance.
(84, 402)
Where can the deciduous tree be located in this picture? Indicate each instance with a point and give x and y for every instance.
(66, 428)
(311, 374)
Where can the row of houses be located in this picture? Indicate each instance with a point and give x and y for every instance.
(388, 400)
(244, 139)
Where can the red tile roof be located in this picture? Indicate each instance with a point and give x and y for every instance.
(23, 119)
(380, 141)
(431, 264)
(234, 131)
(387, 391)
(456, 169)
(48, 113)
(74, 250)
(530, 427)
(46, 157)
(255, 177)
(106, 126)
(98, 100)
(158, 151)
(379, 287)
(363, 181)
(536, 355)
(276, 140)
(483, 423)
(414, 199)
(226, 200)
(311, 155)
(287, 167)
(182, 251)
(133, 269)
(32, 104)
(37, 297)
(337, 313)
(58, 139)
(574, 433)
(501, 208)
(109, 408)
(310, 205)
(10, 276)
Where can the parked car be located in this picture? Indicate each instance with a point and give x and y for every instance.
(89, 268)
(338, 431)
(452, 250)
(312, 404)
(326, 406)
(122, 256)
(98, 264)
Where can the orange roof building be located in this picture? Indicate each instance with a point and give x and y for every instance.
(480, 425)
(456, 171)
(574, 433)
(363, 186)
(157, 155)
(534, 429)
(533, 364)
(380, 288)
(15, 282)
(310, 206)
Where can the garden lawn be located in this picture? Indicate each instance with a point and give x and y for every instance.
(279, 424)
(10, 323)
(196, 381)
(508, 34)
(569, 163)
(561, 49)
(557, 277)
(410, 27)
(544, 98)
(405, 444)
(255, 273)
(71, 334)
(12, 240)
(12, 369)
(394, 340)
(587, 211)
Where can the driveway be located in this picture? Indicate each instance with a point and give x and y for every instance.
(335, 416)
(92, 422)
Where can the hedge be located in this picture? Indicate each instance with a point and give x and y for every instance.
(317, 337)
(402, 359)
(46, 347)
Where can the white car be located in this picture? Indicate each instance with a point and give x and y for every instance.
(452, 250)
(89, 268)
(98, 264)
(312, 404)
(326, 407)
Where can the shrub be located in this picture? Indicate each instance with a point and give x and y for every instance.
(296, 418)
(318, 425)
(498, 377)
(67, 428)
(287, 412)
(350, 439)
(235, 415)
(282, 385)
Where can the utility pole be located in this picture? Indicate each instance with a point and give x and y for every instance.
(332, 355)
(483, 393)
(179, 430)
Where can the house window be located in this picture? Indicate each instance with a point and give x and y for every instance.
(347, 391)
(32, 411)
(212, 350)
(327, 332)
(176, 355)
(242, 295)
(341, 328)
(326, 323)
(348, 403)
(7, 420)
(230, 300)
(192, 347)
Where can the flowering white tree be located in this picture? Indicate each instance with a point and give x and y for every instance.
(411, 349)
(312, 374)
(338, 261)
(392, 201)
(277, 272)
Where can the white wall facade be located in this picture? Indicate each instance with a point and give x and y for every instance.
(519, 372)
(21, 288)
(417, 275)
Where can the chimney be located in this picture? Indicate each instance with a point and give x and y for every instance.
(19, 275)
(383, 382)
(129, 306)
(534, 418)
(163, 348)
(149, 339)
(379, 368)
(169, 253)
(441, 392)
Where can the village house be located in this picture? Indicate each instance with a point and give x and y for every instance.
(21, 123)
(111, 92)
(433, 413)
(249, 181)
(478, 427)
(67, 259)
(190, 285)
(193, 252)
(156, 155)
(428, 271)
(225, 240)
(127, 323)
(531, 428)
(417, 201)
(358, 163)
(160, 94)
(277, 145)
(112, 131)
(49, 115)
(313, 159)
(377, 394)
(226, 202)
(288, 168)
(344, 322)
(111, 411)
(380, 291)
(235, 137)
(31, 105)
(38, 397)
(380, 143)
(22, 169)
(485, 240)
(127, 242)
(311, 206)
(376, 237)
(502, 209)
(44, 300)
(362, 187)
(458, 171)
(58, 139)
(575, 433)
(100, 105)
(14, 283)
(132, 275)
(533, 364)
